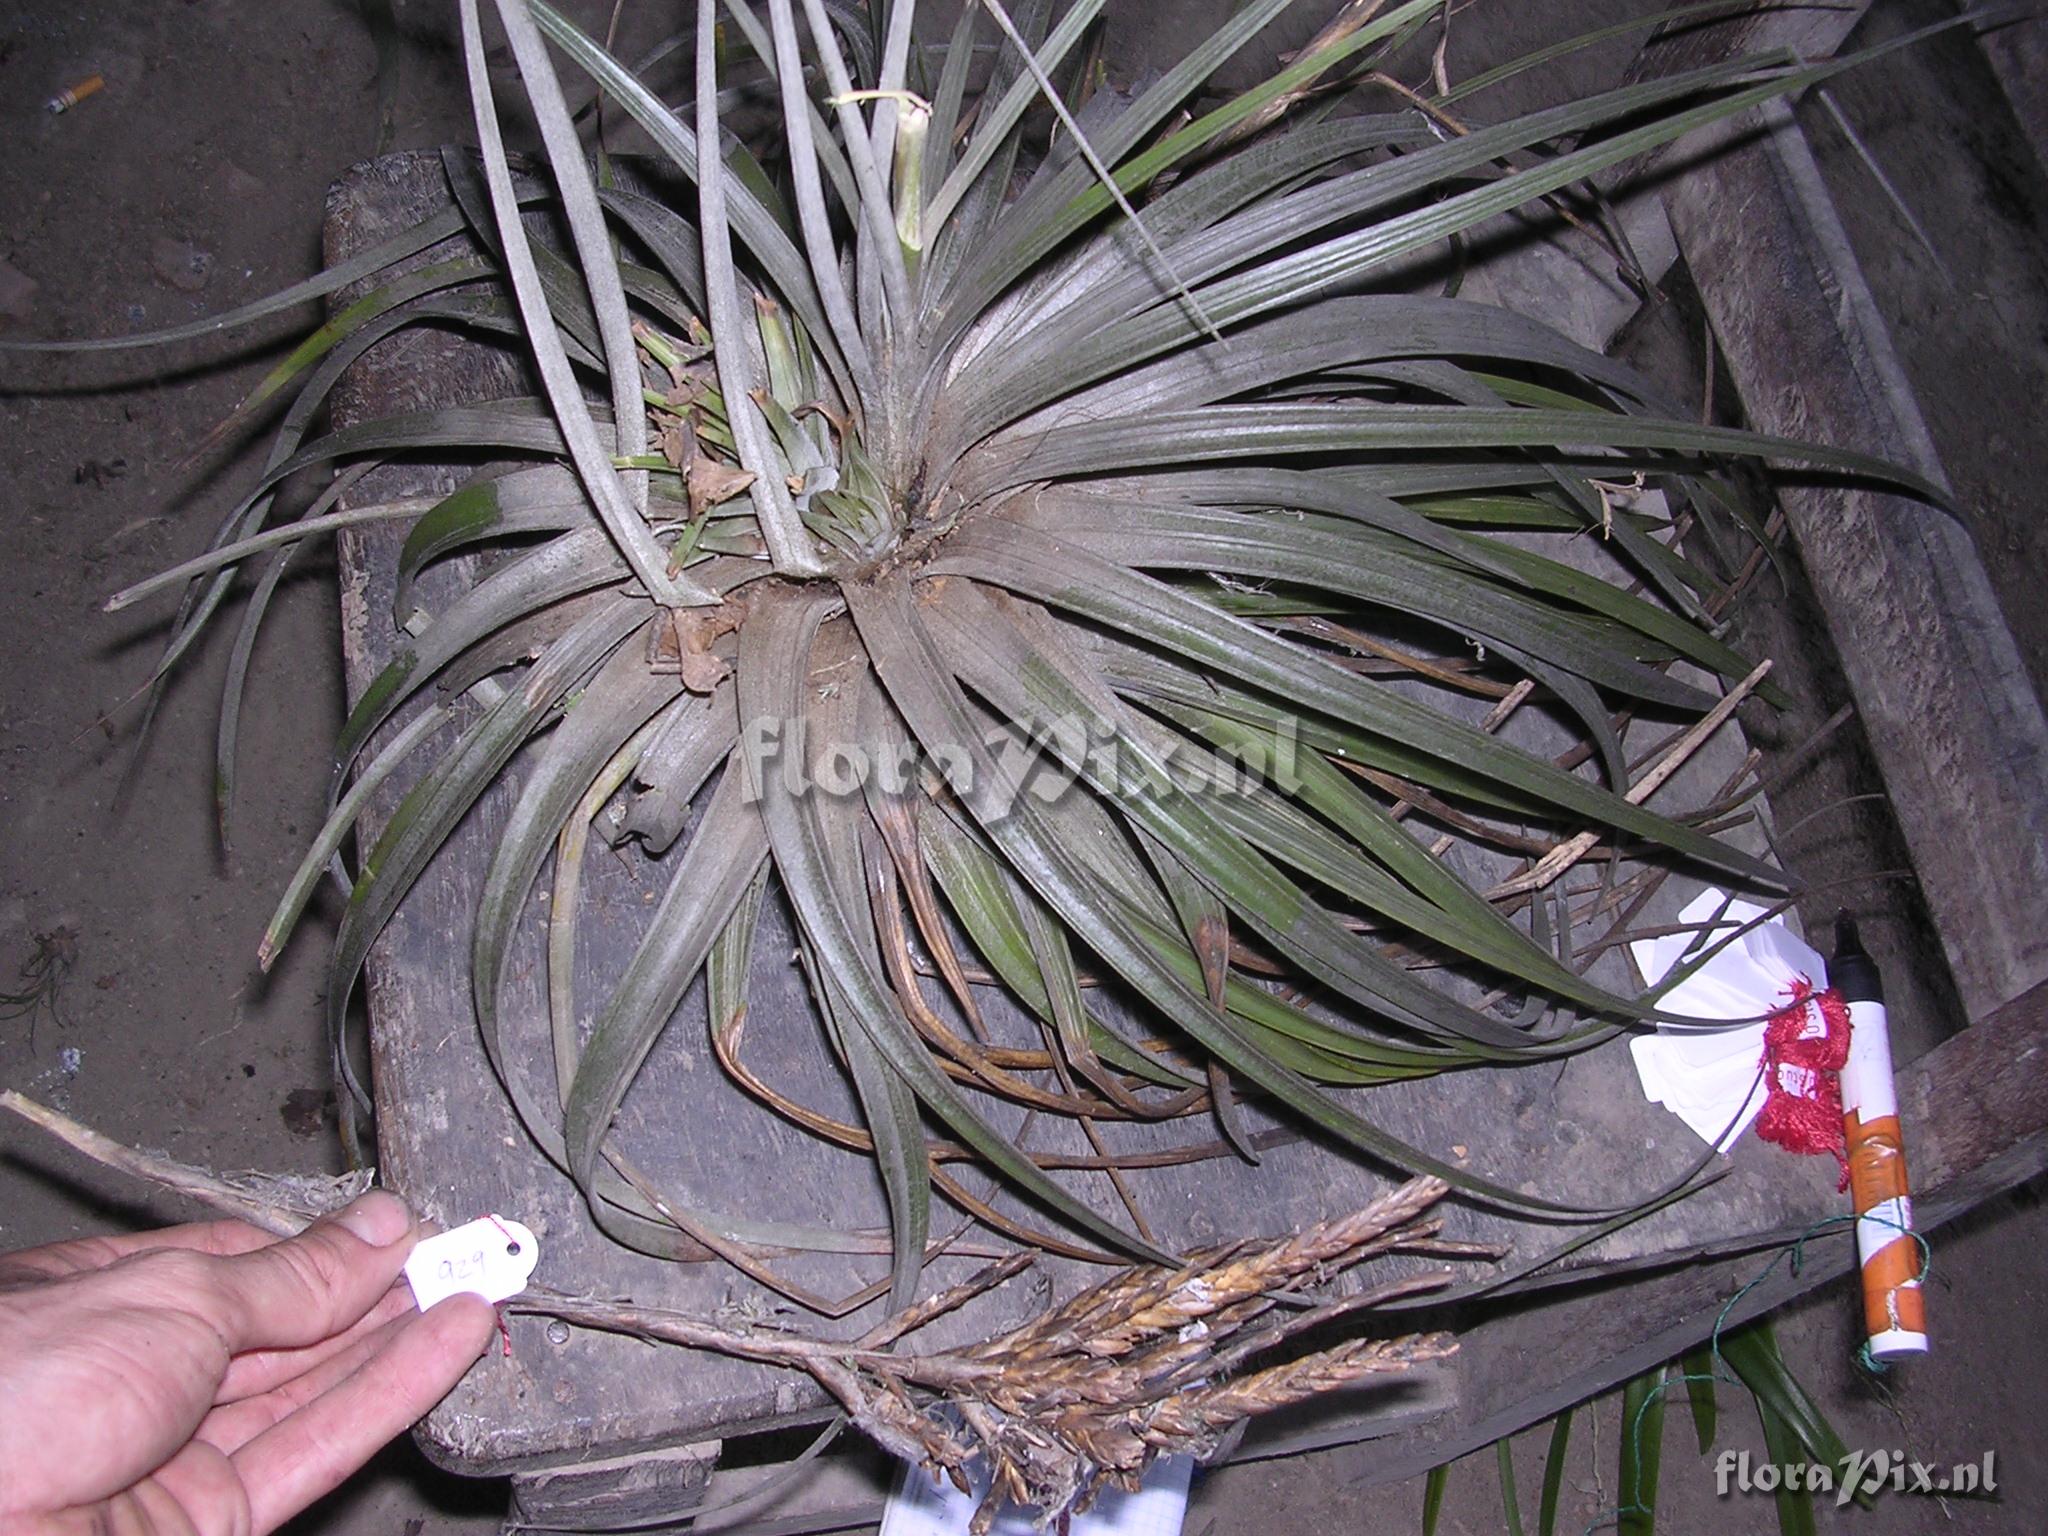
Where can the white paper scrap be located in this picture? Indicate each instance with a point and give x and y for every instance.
(919, 1507)
(1712, 1078)
(490, 1257)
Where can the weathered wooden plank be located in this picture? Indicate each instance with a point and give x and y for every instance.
(1805, 31)
(2016, 44)
(1952, 717)
(1977, 1106)
(449, 1141)
(647, 1487)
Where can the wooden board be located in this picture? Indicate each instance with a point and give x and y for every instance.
(1983, 1099)
(1950, 712)
(2016, 44)
(449, 1142)
(1949, 709)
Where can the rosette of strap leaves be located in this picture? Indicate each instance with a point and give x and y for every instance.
(973, 404)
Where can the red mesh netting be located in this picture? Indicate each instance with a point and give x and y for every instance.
(1805, 1044)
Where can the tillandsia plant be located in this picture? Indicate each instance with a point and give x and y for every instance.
(986, 512)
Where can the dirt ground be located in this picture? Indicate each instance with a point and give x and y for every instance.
(195, 180)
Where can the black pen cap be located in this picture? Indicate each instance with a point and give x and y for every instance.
(1852, 972)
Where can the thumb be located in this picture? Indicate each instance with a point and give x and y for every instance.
(311, 1287)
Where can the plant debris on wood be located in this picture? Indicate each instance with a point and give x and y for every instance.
(1148, 1362)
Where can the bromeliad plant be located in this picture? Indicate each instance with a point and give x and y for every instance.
(977, 428)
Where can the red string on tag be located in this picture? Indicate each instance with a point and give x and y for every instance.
(1805, 1045)
(504, 1329)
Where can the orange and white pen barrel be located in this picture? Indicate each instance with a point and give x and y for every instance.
(1894, 1309)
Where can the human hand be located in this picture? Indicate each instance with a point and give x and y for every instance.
(211, 1380)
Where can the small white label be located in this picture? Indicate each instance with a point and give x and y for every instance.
(490, 1257)
(1887, 1222)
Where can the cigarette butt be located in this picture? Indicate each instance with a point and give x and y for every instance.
(70, 97)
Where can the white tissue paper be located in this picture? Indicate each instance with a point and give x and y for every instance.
(1712, 1078)
(922, 1506)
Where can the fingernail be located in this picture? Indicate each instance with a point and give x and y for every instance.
(378, 1218)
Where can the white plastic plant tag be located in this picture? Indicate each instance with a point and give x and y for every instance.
(490, 1257)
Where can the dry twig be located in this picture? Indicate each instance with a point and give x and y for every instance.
(1088, 1393)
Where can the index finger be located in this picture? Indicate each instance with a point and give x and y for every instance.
(311, 1451)
(53, 1261)
(313, 1286)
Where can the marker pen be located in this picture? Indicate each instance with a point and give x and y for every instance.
(1894, 1311)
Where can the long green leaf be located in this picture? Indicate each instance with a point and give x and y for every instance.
(830, 156)
(1752, 1354)
(1782, 1443)
(1026, 684)
(1510, 1501)
(1697, 1366)
(327, 842)
(1537, 58)
(888, 1104)
(230, 554)
(875, 216)
(1553, 1474)
(993, 125)
(1433, 1486)
(773, 674)
(1031, 228)
(670, 954)
(1223, 432)
(1319, 553)
(714, 874)
(410, 242)
(1270, 823)
(889, 1110)
(1642, 1447)
(907, 662)
(619, 502)
(433, 807)
(814, 219)
(990, 908)
(1091, 340)
(227, 730)
(1006, 554)
(563, 567)
(788, 543)
(618, 700)
(374, 308)
(756, 226)
(540, 500)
